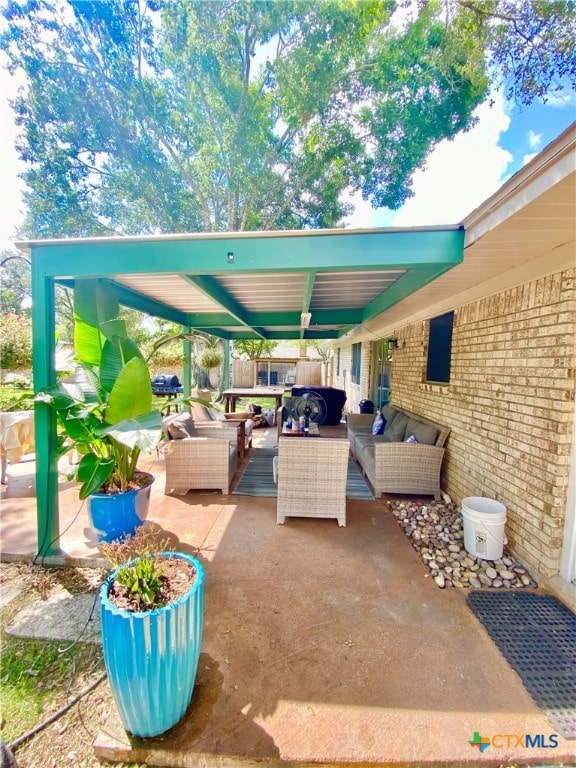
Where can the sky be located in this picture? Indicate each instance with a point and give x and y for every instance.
(459, 174)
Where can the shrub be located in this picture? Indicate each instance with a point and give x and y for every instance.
(15, 341)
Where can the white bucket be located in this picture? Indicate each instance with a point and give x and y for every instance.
(484, 521)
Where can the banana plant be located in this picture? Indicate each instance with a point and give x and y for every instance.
(107, 415)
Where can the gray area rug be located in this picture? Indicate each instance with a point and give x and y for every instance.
(258, 479)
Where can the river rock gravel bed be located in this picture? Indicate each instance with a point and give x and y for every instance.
(436, 531)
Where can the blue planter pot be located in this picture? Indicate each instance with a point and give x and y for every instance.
(151, 658)
(114, 515)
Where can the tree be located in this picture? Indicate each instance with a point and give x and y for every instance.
(152, 116)
(254, 348)
(15, 341)
(530, 43)
(15, 283)
(149, 116)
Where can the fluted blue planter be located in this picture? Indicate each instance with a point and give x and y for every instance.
(114, 515)
(152, 657)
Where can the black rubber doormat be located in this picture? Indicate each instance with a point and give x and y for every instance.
(536, 634)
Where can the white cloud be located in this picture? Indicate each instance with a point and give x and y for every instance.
(561, 99)
(459, 175)
(526, 159)
(534, 140)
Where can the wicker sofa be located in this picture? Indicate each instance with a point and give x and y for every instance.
(198, 457)
(406, 458)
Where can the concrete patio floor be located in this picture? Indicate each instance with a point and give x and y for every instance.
(322, 645)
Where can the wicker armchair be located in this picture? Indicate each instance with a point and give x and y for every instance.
(205, 417)
(312, 474)
(231, 430)
(199, 462)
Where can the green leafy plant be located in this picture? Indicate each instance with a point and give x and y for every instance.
(143, 580)
(138, 567)
(209, 358)
(15, 341)
(108, 417)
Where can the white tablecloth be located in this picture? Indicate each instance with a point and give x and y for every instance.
(16, 436)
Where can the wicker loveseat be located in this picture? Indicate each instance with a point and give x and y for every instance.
(198, 457)
(406, 458)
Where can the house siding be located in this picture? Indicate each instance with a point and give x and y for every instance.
(509, 404)
(343, 380)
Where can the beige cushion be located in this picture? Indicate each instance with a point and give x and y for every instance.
(179, 426)
(199, 412)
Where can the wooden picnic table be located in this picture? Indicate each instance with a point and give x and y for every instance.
(253, 393)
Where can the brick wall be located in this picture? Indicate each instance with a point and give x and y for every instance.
(510, 406)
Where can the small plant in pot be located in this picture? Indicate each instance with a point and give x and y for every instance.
(151, 609)
(107, 416)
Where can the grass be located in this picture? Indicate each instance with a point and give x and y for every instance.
(15, 398)
(36, 675)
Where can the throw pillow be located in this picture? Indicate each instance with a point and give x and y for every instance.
(200, 412)
(394, 432)
(389, 412)
(411, 439)
(180, 426)
(423, 433)
(378, 424)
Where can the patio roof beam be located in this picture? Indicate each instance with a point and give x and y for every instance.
(230, 253)
(265, 319)
(306, 299)
(210, 288)
(404, 286)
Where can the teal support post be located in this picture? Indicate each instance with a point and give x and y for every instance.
(43, 355)
(226, 372)
(187, 368)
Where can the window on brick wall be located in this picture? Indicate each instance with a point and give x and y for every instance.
(356, 359)
(440, 348)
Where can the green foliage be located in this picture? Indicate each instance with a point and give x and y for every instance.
(111, 419)
(14, 397)
(36, 672)
(209, 358)
(530, 43)
(143, 580)
(254, 348)
(137, 566)
(15, 285)
(15, 341)
(146, 117)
